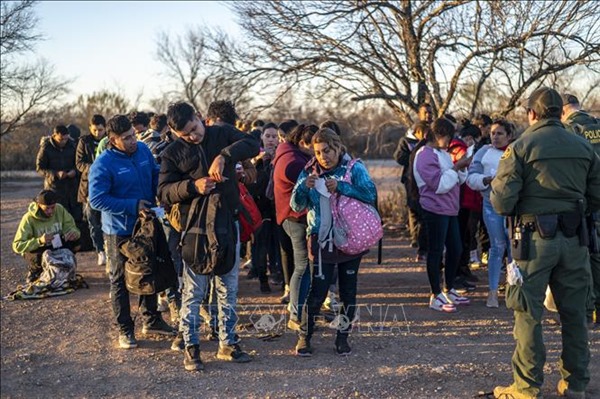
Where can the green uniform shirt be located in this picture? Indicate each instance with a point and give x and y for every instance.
(586, 126)
(546, 171)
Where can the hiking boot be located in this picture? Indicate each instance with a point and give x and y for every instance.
(127, 341)
(441, 304)
(457, 299)
(303, 348)
(264, 287)
(511, 392)
(341, 346)
(158, 326)
(233, 353)
(285, 298)
(563, 390)
(174, 309)
(178, 344)
(492, 299)
(101, 258)
(191, 358)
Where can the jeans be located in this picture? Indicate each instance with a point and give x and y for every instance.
(442, 230)
(348, 277)
(195, 288)
(499, 242)
(118, 291)
(300, 280)
(94, 219)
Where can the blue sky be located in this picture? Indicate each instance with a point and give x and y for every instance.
(110, 45)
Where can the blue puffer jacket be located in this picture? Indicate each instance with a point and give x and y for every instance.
(362, 188)
(118, 182)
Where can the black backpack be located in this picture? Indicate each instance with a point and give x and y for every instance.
(149, 268)
(208, 241)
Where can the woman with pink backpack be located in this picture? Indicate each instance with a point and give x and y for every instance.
(331, 175)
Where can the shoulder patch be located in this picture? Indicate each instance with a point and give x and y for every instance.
(506, 153)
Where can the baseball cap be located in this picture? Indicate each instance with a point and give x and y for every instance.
(569, 99)
(544, 99)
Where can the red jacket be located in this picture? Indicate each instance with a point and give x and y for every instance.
(469, 199)
(289, 161)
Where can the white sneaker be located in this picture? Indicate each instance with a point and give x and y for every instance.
(101, 258)
(492, 299)
(441, 304)
(457, 299)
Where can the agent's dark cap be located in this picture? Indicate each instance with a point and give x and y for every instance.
(544, 99)
(46, 197)
(569, 99)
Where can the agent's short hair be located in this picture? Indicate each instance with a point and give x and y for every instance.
(179, 114)
(118, 124)
(139, 118)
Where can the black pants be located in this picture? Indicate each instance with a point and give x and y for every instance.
(287, 254)
(347, 277)
(443, 231)
(118, 291)
(417, 228)
(467, 222)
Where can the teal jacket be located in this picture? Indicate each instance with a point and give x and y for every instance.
(362, 188)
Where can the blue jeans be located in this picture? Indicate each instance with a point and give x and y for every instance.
(442, 230)
(119, 295)
(94, 219)
(499, 242)
(195, 288)
(300, 280)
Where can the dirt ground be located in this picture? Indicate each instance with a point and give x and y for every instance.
(66, 346)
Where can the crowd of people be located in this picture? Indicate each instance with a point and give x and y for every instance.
(457, 182)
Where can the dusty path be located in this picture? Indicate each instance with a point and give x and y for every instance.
(65, 347)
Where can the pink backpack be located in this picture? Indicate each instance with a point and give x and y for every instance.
(356, 225)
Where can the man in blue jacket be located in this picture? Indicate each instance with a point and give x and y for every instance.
(122, 182)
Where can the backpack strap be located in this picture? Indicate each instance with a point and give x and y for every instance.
(347, 176)
(193, 213)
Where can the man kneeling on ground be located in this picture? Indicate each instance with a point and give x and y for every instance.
(44, 220)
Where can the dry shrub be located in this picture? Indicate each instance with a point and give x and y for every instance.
(392, 206)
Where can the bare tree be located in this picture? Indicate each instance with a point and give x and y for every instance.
(407, 52)
(203, 65)
(24, 88)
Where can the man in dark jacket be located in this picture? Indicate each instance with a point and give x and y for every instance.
(56, 163)
(86, 154)
(184, 175)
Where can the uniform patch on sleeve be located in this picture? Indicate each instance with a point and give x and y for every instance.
(506, 153)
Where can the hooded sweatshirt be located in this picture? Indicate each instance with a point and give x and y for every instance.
(35, 223)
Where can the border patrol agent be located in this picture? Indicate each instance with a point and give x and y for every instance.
(588, 127)
(545, 180)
